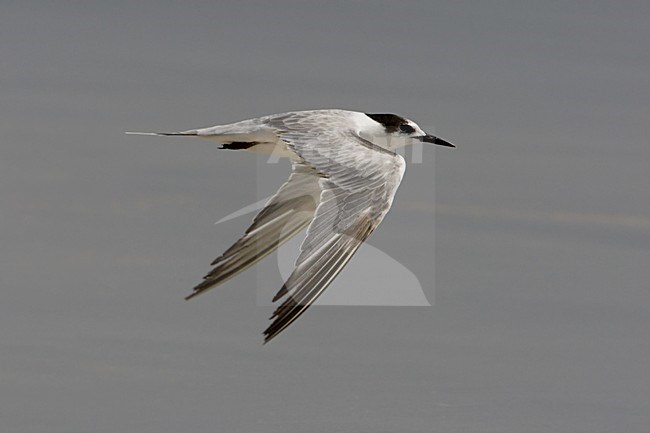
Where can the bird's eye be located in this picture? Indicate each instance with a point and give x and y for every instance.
(407, 129)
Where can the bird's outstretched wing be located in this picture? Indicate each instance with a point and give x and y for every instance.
(285, 215)
(358, 183)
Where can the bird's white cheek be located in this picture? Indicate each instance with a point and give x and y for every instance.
(395, 142)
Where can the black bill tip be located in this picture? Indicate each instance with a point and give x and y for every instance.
(436, 140)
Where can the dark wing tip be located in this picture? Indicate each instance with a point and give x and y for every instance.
(283, 291)
(201, 287)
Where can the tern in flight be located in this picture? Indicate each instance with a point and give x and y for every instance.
(345, 173)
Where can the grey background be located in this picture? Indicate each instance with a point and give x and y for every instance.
(540, 321)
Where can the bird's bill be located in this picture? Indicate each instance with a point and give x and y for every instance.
(435, 140)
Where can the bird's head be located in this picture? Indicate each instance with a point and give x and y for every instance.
(395, 131)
